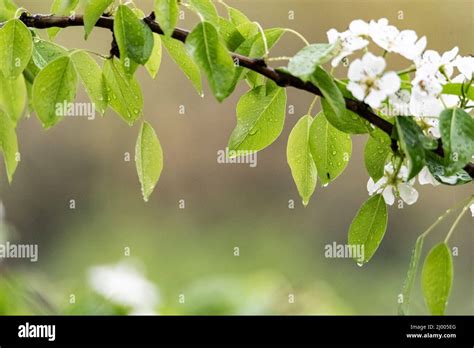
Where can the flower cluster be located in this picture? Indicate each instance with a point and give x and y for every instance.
(394, 184)
(417, 91)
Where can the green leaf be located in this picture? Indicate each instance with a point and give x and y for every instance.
(7, 10)
(237, 17)
(148, 159)
(232, 37)
(254, 47)
(61, 8)
(44, 52)
(257, 46)
(207, 11)
(166, 12)
(376, 152)
(437, 168)
(134, 38)
(459, 89)
(55, 85)
(306, 61)
(247, 30)
(92, 78)
(154, 63)
(260, 118)
(334, 105)
(300, 160)
(411, 275)
(16, 48)
(409, 134)
(457, 132)
(254, 79)
(13, 97)
(8, 144)
(368, 227)
(331, 149)
(124, 93)
(93, 11)
(437, 278)
(207, 50)
(178, 53)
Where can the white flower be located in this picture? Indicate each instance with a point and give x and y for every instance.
(425, 177)
(465, 65)
(367, 82)
(400, 103)
(390, 186)
(351, 40)
(124, 284)
(426, 98)
(429, 125)
(425, 105)
(472, 209)
(439, 66)
(389, 38)
(426, 83)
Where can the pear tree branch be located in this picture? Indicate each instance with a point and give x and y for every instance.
(258, 65)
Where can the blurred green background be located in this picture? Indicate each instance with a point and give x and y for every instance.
(190, 251)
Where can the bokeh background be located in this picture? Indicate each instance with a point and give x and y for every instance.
(191, 251)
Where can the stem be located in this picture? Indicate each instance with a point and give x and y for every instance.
(456, 222)
(445, 215)
(264, 38)
(297, 34)
(409, 70)
(223, 3)
(311, 107)
(282, 79)
(97, 54)
(276, 59)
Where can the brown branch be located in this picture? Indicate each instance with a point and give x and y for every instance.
(283, 79)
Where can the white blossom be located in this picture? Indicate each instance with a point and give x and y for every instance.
(425, 105)
(367, 81)
(400, 103)
(390, 186)
(465, 65)
(472, 209)
(124, 284)
(389, 38)
(429, 125)
(351, 40)
(439, 66)
(426, 178)
(426, 98)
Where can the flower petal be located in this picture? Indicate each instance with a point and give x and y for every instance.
(357, 90)
(356, 70)
(426, 178)
(373, 64)
(359, 27)
(375, 98)
(388, 195)
(390, 83)
(407, 193)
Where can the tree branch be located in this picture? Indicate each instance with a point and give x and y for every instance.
(255, 64)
